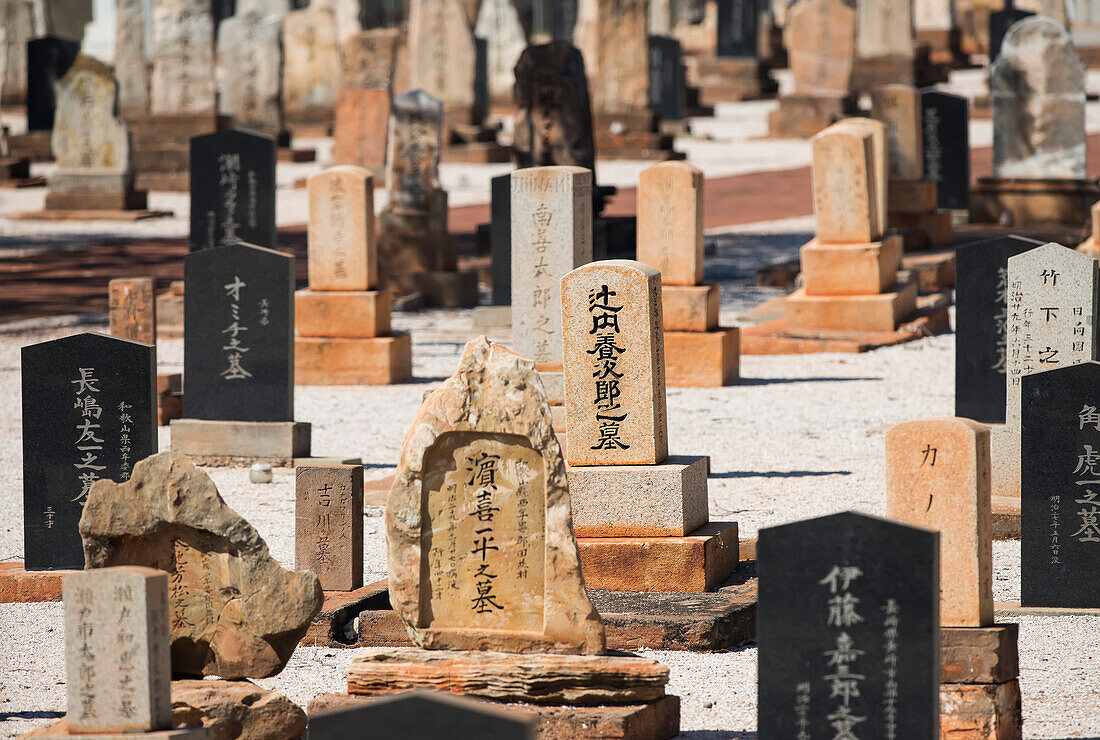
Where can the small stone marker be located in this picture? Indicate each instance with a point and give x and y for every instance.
(118, 668)
(89, 412)
(250, 57)
(183, 58)
(614, 364)
(981, 326)
(442, 54)
(899, 107)
(1038, 90)
(551, 236)
(311, 61)
(845, 200)
(133, 309)
(48, 59)
(342, 250)
(239, 334)
(553, 109)
(938, 477)
(1060, 506)
(821, 42)
(481, 554)
(848, 629)
(88, 142)
(670, 221)
(328, 524)
(232, 190)
(423, 714)
(738, 28)
(945, 143)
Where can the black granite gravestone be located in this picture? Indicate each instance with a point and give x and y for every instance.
(667, 87)
(738, 28)
(48, 59)
(232, 189)
(1060, 488)
(89, 413)
(848, 629)
(946, 143)
(999, 23)
(981, 326)
(381, 14)
(421, 715)
(565, 20)
(238, 351)
(500, 239)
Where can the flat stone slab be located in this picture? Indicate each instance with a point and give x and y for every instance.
(538, 678)
(980, 654)
(21, 586)
(335, 622)
(61, 729)
(67, 215)
(1014, 609)
(231, 443)
(1006, 518)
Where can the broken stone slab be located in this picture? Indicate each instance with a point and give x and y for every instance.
(236, 710)
(234, 611)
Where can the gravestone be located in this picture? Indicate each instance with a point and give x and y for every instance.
(667, 85)
(343, 254)
(553, 109)
(999, 23)
(131, 63)
(415, 148)
(885, 29)
(848, 629)
(613, 345)
(359, 132)
(981, 326)
(499, 25)
(933, 15)
(613, 38)
(845, 201)
(132, 309)
(250, 58)
(311, 61)
(551, 236)
(899, 107)
(938, 477)
(670, 222)
(443, 55)
(239, 334)
(500, 238)
(820, 38)
(89, 412)
(945, 144)
(18, 19)
(381, 14)
(1060, 508)
(328, 524)
(423, 714)
(1038, 92)
(183, 58)
(118, 666)
(480, 550)
(369, 58)
(564, 20)
(232, 189)
(738, 28)
(48, 59)
(877, 130)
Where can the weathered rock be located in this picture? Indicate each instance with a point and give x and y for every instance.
(235, 612)
(236, 709)
(86, 135)
(481, 455)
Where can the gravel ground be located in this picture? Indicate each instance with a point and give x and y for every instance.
(799, 437)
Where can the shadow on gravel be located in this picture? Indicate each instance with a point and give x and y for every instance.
(5, 716)
(717, 735)
(778, 474)
(777, 381)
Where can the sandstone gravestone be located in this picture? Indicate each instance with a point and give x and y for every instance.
(614, 41)
(981, 326)
(132, 309)
(131, 63)
(945, 144)
(499, 25)
(118, 669)
(443, 55)
(232, 190)
(239, 334)
(885, 28)
(369, 58)
(1060, 509)
(820, 38)
(553, 111)
(845, 198)
(48, 59)
(899, 107)
(738, 28)
(311, 61)
(342, 250)
(551, 236)
(234, 612)
(613, 340)
(89, 412)
(937, 477)
(670, 221)
(328, 524)
(877, 130)
(480, 547)
(183, 58)
(359, 132)
(250, 60)
(848, 629)
(1038, 92)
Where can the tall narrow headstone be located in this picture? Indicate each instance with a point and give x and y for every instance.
(328, 524)
(500, 238)
(848, 629)
(738, 28)
(667, 85)
(670, 222)
(999, 23)
(885, 28)
(118, 663)
(945, 144)
(48, 59)
(1038, 92)
(183, 58)
(820, 36)
(981, 326)
(938, 477)
(18, 19)
(250, 58)
(89, 412)
(132, 309)
(879, 158)
(311, 62)
(232, 189)
(613, 37)
(131, 62)
(343, 254)
(415, 148)
(499, 25)
(238, 354)
(443, 55)
(359, 132)
(553, 109)
(845, 200)
(899, 107)
(551, 236)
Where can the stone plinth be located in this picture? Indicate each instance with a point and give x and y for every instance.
(690, 307)
(345, 313)
(699, 359)
(850, 269)
(21, 586)
(802, 116)
(382, 360)
(870, 313)
(219, 443)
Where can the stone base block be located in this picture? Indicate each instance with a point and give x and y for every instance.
(554, 383)
(88, 215)
(163, 182)
(61, 729)
(414, 241)
(134, 200)
(442, 289)
(933, 272)
(169, 383)
(880, 312)
(15, 168)
(980, 654)
(21, 586)
(559, 422)
(690, 307)
(700, 561)
(1006, 518)
(870, 73)
(663, 500)
(1033, 201)
(170, 311)
(342, 361)
(921, 231)
(34, 145)
(850, 269)
(697, 359)
(656, 720)
(910, 196)
(169, 407)
(91, 181)
(230, 443)
(1015, 609)
(1004, 448)
(493, 317)
(981, 711)
(342, 313)
(802, 116)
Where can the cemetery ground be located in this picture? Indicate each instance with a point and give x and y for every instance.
(798, 437)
